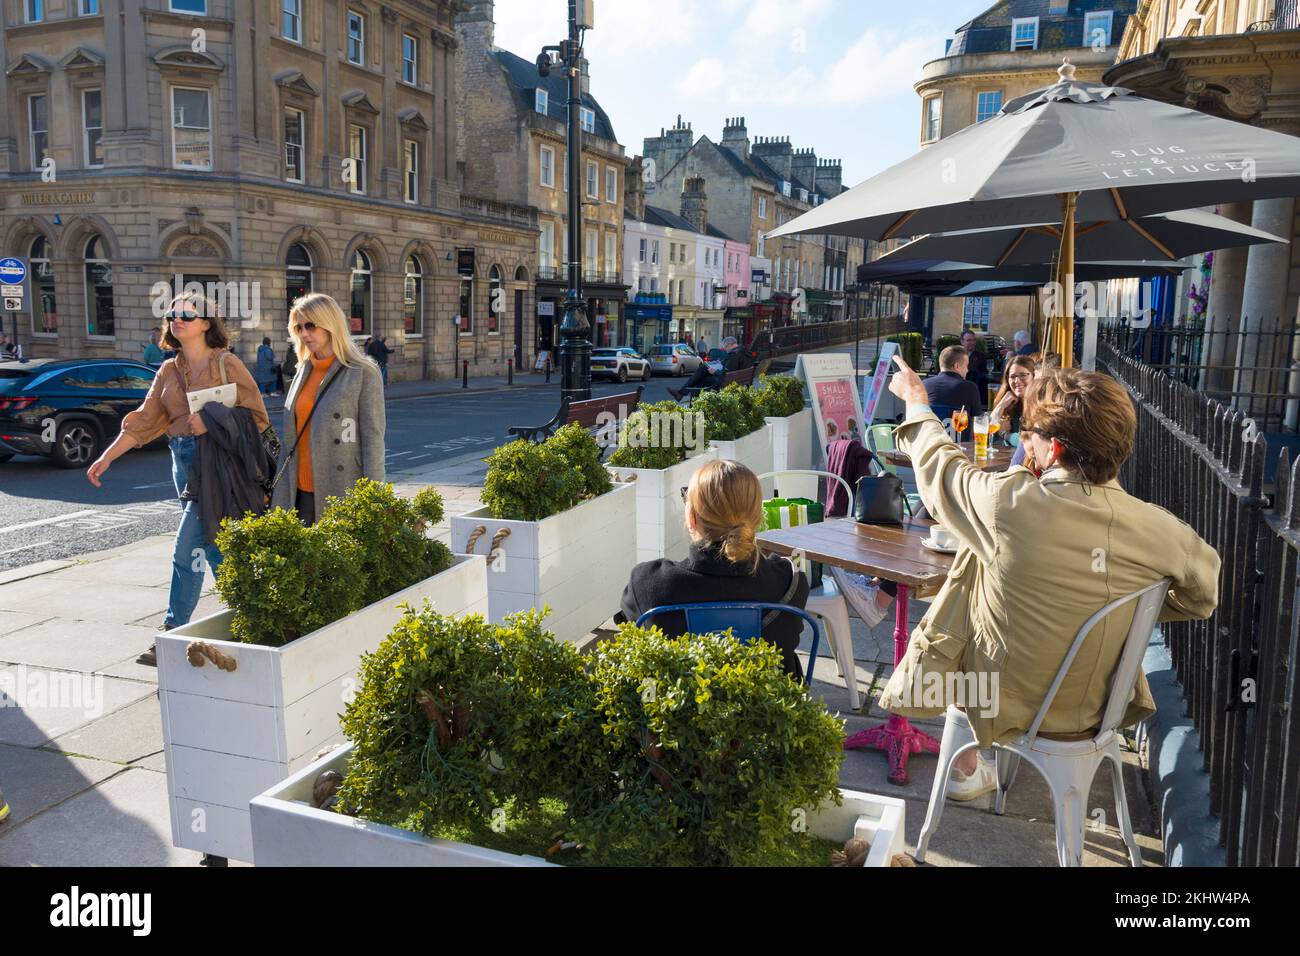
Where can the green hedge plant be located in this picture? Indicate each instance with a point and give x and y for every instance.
(659, 436)
(396, 550)
(911, 345)
(719, 751)
(690, 751)
(284, 580)
(729, 414)
(529, 482)
(455, 718)
(779, 396)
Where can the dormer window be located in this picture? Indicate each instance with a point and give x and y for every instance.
(541, 102)
(1024, 33)
(588, 119)
(1097, 29)
(785, 188)
(803, 195)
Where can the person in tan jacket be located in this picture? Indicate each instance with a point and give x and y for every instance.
(1042, 547)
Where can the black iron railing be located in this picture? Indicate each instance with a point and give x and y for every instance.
(1254, 371)
(1205, 462)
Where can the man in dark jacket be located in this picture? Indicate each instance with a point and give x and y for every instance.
(231, 465)
(737, 360)
(978, 369)
(378, 350)
(705, 577)
(951, 386)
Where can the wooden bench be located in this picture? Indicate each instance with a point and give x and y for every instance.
(744, 376)
(590, 414)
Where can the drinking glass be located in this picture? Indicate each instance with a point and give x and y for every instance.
(981, 437)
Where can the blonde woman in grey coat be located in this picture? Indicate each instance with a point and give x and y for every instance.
(336, 402)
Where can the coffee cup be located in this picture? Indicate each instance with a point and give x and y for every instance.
(941, 537)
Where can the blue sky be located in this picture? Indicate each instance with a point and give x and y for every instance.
(834, 75)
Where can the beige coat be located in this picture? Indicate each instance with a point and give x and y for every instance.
(1037, 558)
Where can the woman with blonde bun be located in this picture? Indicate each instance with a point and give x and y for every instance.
(724, 513)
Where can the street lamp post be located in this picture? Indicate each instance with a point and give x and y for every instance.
(575, 345)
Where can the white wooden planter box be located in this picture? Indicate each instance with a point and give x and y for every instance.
(660, 511)
(753, 450)
(228, 735)
(289, 831)
(577, 563)
(792, 442)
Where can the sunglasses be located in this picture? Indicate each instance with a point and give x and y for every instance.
(304, 327)
(181, 317)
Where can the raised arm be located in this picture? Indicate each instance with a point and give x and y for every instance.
(961, 497)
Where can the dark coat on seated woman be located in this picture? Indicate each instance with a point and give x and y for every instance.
(705, 576)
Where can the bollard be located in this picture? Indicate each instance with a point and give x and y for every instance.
(510, 371)
(548, 370)
(464, 373)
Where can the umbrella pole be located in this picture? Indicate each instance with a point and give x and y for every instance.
(1063, 326)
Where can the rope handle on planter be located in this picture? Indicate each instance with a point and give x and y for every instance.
(497, 540)
(473, 538)
(199, 651)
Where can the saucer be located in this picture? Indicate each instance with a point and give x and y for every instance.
(931, 546)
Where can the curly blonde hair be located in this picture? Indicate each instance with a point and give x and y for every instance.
(727, 501)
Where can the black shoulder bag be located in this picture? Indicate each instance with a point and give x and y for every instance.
(880, 499)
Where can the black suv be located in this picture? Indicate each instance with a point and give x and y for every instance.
(68, 410)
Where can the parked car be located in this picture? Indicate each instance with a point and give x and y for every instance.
(676, 359)
(620, 364)
(67, 410)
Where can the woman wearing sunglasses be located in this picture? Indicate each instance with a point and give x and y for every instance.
(333, 415)
(193, 330)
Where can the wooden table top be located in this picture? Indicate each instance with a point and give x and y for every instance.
(999, 457)
(891, 552)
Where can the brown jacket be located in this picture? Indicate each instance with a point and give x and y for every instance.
(166, 410)
(1037, 558)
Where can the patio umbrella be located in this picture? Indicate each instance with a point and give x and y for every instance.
(1070, 153)
(1167, 236)
(899, 271)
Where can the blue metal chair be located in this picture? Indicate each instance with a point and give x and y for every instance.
(743, 618)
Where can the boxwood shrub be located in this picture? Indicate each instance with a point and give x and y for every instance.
(528, 482)
(780, 396)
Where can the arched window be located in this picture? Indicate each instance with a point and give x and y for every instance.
(99, 290)
(45, 312)
(360, 313)
(297, 274)
(521, 274)
(496, 300)
(413, 297)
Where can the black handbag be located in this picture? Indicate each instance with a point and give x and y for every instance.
(880, 499)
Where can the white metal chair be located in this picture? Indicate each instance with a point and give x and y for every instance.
(1068, 766)
(828, 604)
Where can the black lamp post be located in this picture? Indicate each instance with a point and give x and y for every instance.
(575, 345)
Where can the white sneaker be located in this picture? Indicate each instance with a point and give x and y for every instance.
(983, 780)
(865, 601)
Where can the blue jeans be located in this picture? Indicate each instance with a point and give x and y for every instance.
(193, 551)
(383, 372)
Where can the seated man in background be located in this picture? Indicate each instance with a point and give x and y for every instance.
(1037, 557)
(737, 360)
(951, 387)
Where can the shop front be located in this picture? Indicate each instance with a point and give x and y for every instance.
(647, 321)
(738, 323)
(708, 328)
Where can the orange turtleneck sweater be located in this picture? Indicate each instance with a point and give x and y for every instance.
(301, 409)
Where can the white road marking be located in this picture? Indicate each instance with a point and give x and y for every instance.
(45, 521)
(26, 547)
(161, 484)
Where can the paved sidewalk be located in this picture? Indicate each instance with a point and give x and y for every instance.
(87, 783)
(421, 388)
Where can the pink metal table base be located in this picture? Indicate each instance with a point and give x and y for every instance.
(898, 738)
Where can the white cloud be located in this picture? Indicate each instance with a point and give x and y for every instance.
(768, 18)
(878, 66)
(704, 80)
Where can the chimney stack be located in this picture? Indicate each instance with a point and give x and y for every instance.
(735, 137)
(634, 190)
(695, 206)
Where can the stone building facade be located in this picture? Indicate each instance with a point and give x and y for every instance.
(1014, 47)
(513, 126)
(754, 186)
(211, 139)
(1240, 60)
